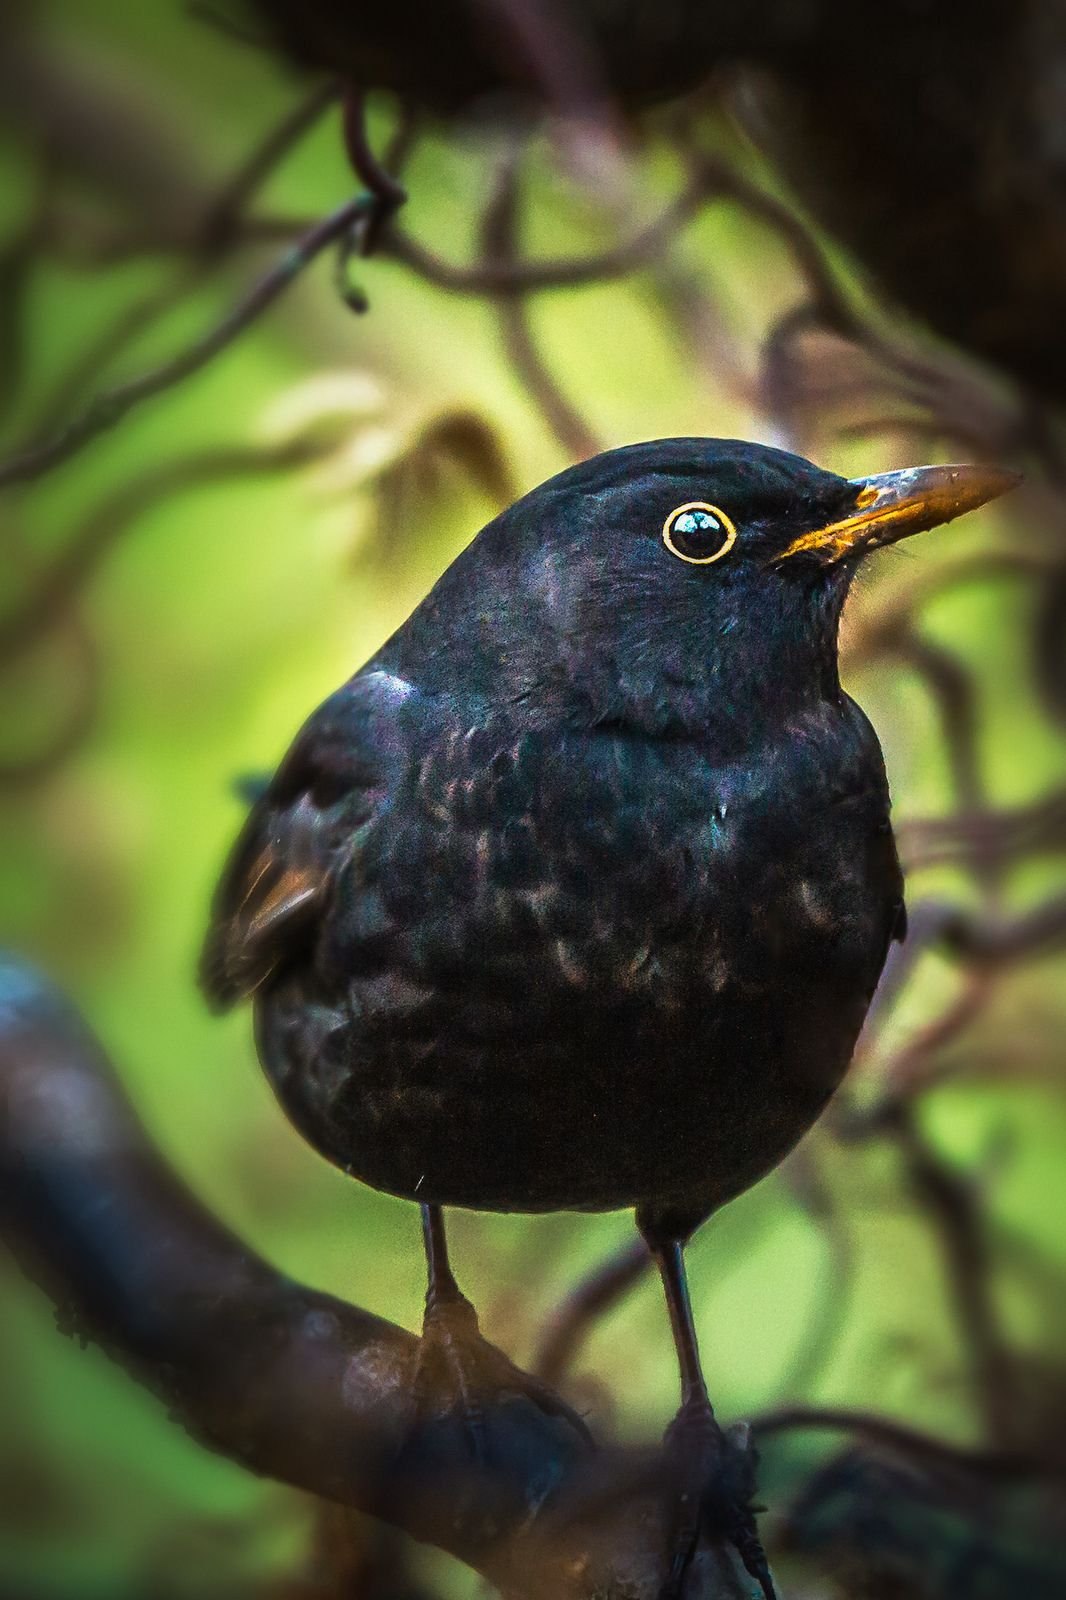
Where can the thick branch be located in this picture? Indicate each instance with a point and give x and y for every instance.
(292, 1383)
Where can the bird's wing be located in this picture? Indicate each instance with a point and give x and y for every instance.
(300, 832)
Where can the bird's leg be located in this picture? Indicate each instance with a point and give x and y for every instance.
(450, 1330)
(712, 1476)
(456, 1359)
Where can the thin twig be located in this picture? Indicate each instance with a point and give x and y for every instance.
(224, 215)
(955, 696)
(906, 1441)
(499, 242)
(109, 408)
(476, 278)
(588, 1302)
(835, 1283)
(899, 610)
(88, 365)
(952, 1206)
(221, 227)
(388, 194)
(521, 276)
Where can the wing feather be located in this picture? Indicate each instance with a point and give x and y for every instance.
(277, 884)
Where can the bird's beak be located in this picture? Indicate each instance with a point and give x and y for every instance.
(894, 505)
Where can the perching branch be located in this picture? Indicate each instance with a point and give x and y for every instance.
(304, 1388)
(294, 1384)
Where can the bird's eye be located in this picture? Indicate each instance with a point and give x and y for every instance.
(698, 533)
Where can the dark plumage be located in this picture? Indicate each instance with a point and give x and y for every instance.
(576, 894)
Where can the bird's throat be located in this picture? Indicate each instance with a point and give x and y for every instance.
(729, 685)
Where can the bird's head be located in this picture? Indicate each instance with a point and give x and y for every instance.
(674, 584)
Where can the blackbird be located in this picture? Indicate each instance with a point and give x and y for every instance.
(576, 894)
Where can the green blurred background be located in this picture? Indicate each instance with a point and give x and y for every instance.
(224, 611)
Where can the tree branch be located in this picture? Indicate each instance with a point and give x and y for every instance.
(1003, 836)
(908, 1441)
(225, 212)
(292, 1383)
(110, 407)
(499, 242)
(51, 590)
(507, 277)
(598, 1292)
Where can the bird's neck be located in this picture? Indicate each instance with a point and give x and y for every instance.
(730, 687)
(728, 677)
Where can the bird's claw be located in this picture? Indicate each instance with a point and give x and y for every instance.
(457, 1369)
(711, 1482)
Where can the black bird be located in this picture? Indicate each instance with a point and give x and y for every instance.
(576, 894)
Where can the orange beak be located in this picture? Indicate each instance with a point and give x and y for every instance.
(893, 505)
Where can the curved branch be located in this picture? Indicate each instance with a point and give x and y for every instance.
(898, 1436)
(499, 241)
(598, 1292)
(1001, 940)
(506, 278)
(108, 521)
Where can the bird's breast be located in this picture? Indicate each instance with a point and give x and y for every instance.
(563, 975)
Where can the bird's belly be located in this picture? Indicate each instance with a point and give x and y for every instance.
(567, 1093)
(598, 1005)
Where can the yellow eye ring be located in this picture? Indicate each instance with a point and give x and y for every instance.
(701, 518)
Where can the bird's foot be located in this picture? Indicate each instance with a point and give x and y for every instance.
(458, 1370)
(711, 1478)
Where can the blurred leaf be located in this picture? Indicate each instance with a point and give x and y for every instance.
(428, 465)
